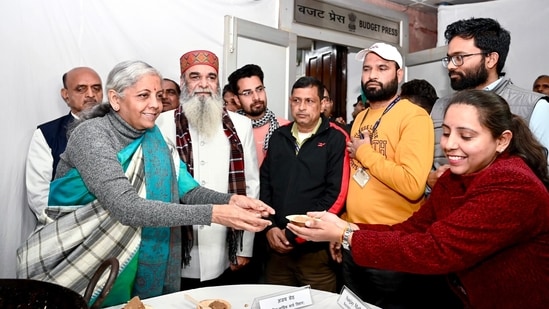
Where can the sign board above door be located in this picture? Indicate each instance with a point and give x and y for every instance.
(328, 16)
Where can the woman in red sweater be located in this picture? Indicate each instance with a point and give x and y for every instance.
(486, 223)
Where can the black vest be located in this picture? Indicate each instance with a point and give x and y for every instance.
(55, 133)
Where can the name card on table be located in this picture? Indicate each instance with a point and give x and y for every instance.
(289, 299)
(348, 300)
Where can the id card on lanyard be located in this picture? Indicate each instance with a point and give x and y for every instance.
(361, 176)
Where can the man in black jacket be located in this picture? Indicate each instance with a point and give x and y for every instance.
(306, 169)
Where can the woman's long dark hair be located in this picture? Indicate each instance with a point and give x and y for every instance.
(494, 114)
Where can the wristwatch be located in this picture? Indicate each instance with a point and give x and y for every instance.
(346, 236)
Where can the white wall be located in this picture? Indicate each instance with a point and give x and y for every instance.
(41, 40)
(354, 75)
(426, 65)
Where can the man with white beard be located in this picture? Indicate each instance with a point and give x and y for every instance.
(219, 150)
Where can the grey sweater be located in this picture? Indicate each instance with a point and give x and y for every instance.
(92, 149)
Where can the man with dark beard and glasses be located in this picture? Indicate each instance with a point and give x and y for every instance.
(391, 149)
(477, 50)
(247, 84)
(219, 150)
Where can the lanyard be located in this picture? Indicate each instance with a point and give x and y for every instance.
(376, 124)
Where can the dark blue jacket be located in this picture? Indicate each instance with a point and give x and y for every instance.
(55, 133)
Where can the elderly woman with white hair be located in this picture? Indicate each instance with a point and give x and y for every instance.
(126, 198)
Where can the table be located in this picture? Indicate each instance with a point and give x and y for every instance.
(241, 296)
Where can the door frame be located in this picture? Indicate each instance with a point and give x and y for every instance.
(280, 76)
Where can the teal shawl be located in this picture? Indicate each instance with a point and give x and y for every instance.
(155, 270)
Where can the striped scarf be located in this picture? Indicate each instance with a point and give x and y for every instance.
(237, 179)
(269, 118)
(82, 234)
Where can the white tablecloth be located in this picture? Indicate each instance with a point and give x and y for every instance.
(240, 296)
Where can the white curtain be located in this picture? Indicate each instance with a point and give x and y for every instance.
(41, 40)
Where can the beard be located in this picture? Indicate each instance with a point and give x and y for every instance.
(204, 113)
(383, 93)
(255, 111)
(468, 79)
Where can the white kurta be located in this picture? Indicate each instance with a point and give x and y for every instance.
(209, 255)
(38, 172)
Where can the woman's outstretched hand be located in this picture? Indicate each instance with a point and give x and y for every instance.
(241, 218)
(324, 229)
(251, 204)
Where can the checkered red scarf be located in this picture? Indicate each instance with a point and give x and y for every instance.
(237, 179)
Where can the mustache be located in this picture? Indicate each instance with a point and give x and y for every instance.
(208, 90)
(186, 95)
(450, 73)
(373, 82)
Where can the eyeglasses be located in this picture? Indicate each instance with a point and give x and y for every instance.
(248, 93)
(457, 60)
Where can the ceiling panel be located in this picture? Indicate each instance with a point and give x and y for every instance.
(432, 5)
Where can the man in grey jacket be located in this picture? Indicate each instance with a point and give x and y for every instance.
(477, 50)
